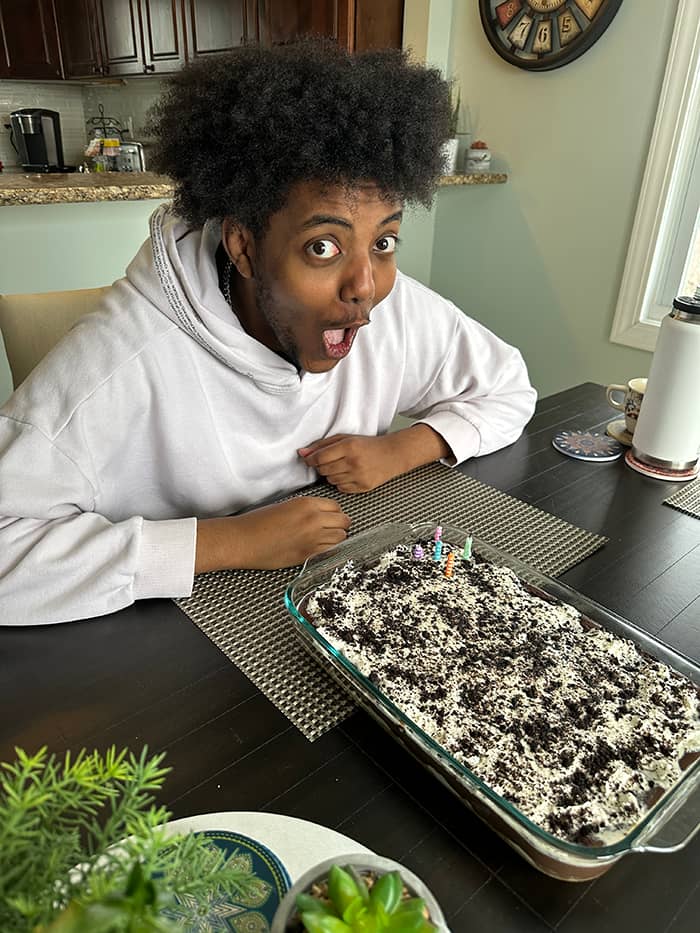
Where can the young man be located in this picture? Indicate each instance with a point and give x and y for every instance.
(234, 363)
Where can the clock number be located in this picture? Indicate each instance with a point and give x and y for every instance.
(507, 11)
(520, 32)
(589, 7)
(543, 37)
(568, 28)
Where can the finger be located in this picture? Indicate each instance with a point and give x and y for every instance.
(324, 504)
(339, 476)
(320, 444)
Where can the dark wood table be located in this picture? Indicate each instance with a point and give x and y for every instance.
(148, 675)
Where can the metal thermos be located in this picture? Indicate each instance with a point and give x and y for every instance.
(667, 434)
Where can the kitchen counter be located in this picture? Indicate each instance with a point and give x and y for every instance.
(59, 188)
(18, 189)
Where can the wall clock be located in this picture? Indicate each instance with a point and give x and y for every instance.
(543, 34)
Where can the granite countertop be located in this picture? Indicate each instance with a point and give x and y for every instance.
(60, 188)
(133, 186)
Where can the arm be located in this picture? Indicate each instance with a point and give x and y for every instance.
(469, 389)
(279, 535)
(60, 560)
(354, 463)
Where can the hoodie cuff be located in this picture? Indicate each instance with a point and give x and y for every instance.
(166, 559)
(460, 435)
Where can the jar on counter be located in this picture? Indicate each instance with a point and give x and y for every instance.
(111, 149)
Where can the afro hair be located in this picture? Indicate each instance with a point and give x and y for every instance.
(237, 131)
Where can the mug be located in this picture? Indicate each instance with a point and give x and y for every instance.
(631, 402)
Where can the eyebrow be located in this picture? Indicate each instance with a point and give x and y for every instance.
(318, 220)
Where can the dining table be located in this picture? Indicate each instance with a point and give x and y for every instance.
(147, 675)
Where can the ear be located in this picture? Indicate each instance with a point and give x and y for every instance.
(239, 243)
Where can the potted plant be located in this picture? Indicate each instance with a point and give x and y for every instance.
(83, 849)
(359, 894)
(450, 147)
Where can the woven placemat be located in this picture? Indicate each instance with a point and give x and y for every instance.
(243, 612)
(686, 499)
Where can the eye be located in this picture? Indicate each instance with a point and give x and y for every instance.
(323, 249)
(387, 244)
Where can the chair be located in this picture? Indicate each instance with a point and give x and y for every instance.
(31, 324)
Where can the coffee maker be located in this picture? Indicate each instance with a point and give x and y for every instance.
(36, 136)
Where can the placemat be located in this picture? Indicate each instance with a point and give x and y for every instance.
(686, 499)
(243, 612)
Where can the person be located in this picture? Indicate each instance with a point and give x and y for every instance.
(262, 338)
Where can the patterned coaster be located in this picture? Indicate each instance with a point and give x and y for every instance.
(686, 499)
(243, 612)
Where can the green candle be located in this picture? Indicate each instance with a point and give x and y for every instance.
(467, 552)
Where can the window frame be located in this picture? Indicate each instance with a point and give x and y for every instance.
(667, 177)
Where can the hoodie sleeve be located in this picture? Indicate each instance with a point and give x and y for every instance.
(478, 397)
(59, 559)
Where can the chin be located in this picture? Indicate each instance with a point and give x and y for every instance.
(319, 366)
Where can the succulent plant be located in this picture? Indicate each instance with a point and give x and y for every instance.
(348, 904)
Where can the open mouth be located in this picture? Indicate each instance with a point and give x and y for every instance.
(337, 343)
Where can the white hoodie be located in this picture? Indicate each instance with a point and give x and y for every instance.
(158, 408)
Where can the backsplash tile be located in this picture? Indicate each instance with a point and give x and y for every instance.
(75, 103)
(129, 101)
(66, 99)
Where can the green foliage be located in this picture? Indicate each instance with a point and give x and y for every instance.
(83, 849)
(353, 907)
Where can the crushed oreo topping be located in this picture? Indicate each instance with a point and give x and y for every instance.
(576, 727)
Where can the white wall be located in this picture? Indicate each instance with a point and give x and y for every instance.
(540, 258)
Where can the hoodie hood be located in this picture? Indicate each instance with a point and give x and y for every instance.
(175, 270)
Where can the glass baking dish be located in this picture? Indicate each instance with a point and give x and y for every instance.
(666, 827)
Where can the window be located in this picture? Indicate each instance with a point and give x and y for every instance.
(664, 255)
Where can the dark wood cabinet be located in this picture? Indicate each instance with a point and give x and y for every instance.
(355, 24)
(29, 40)
(80, 42)
(214, 26)
(119, 38)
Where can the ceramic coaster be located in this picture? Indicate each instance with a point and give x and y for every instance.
(587, 445)
(671, 476)
(618, 430)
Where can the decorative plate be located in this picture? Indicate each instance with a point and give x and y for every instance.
(225, 914)
(587, 445)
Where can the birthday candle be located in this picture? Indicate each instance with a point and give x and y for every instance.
(418, 552)
(437, 550)
(450, 565)
(467, 552)
(438, 533)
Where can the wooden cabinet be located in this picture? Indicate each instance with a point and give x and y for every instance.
(117, 38)
(80, 40)
(355, 24)
(29, 46)
(214, 26)
(113, 38)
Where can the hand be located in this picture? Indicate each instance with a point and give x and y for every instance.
(357, 463)
(273, 536)
(352, 462)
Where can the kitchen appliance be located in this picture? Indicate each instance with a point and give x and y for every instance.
(667, 437)
(131, 157)
(35, 134)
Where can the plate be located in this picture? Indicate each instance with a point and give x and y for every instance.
(618, 430)
(279, 849)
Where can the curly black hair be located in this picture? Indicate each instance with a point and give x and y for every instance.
(237, 131)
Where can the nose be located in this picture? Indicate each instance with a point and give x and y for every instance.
(358, 281)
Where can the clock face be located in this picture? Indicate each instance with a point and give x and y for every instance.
(545, 34)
